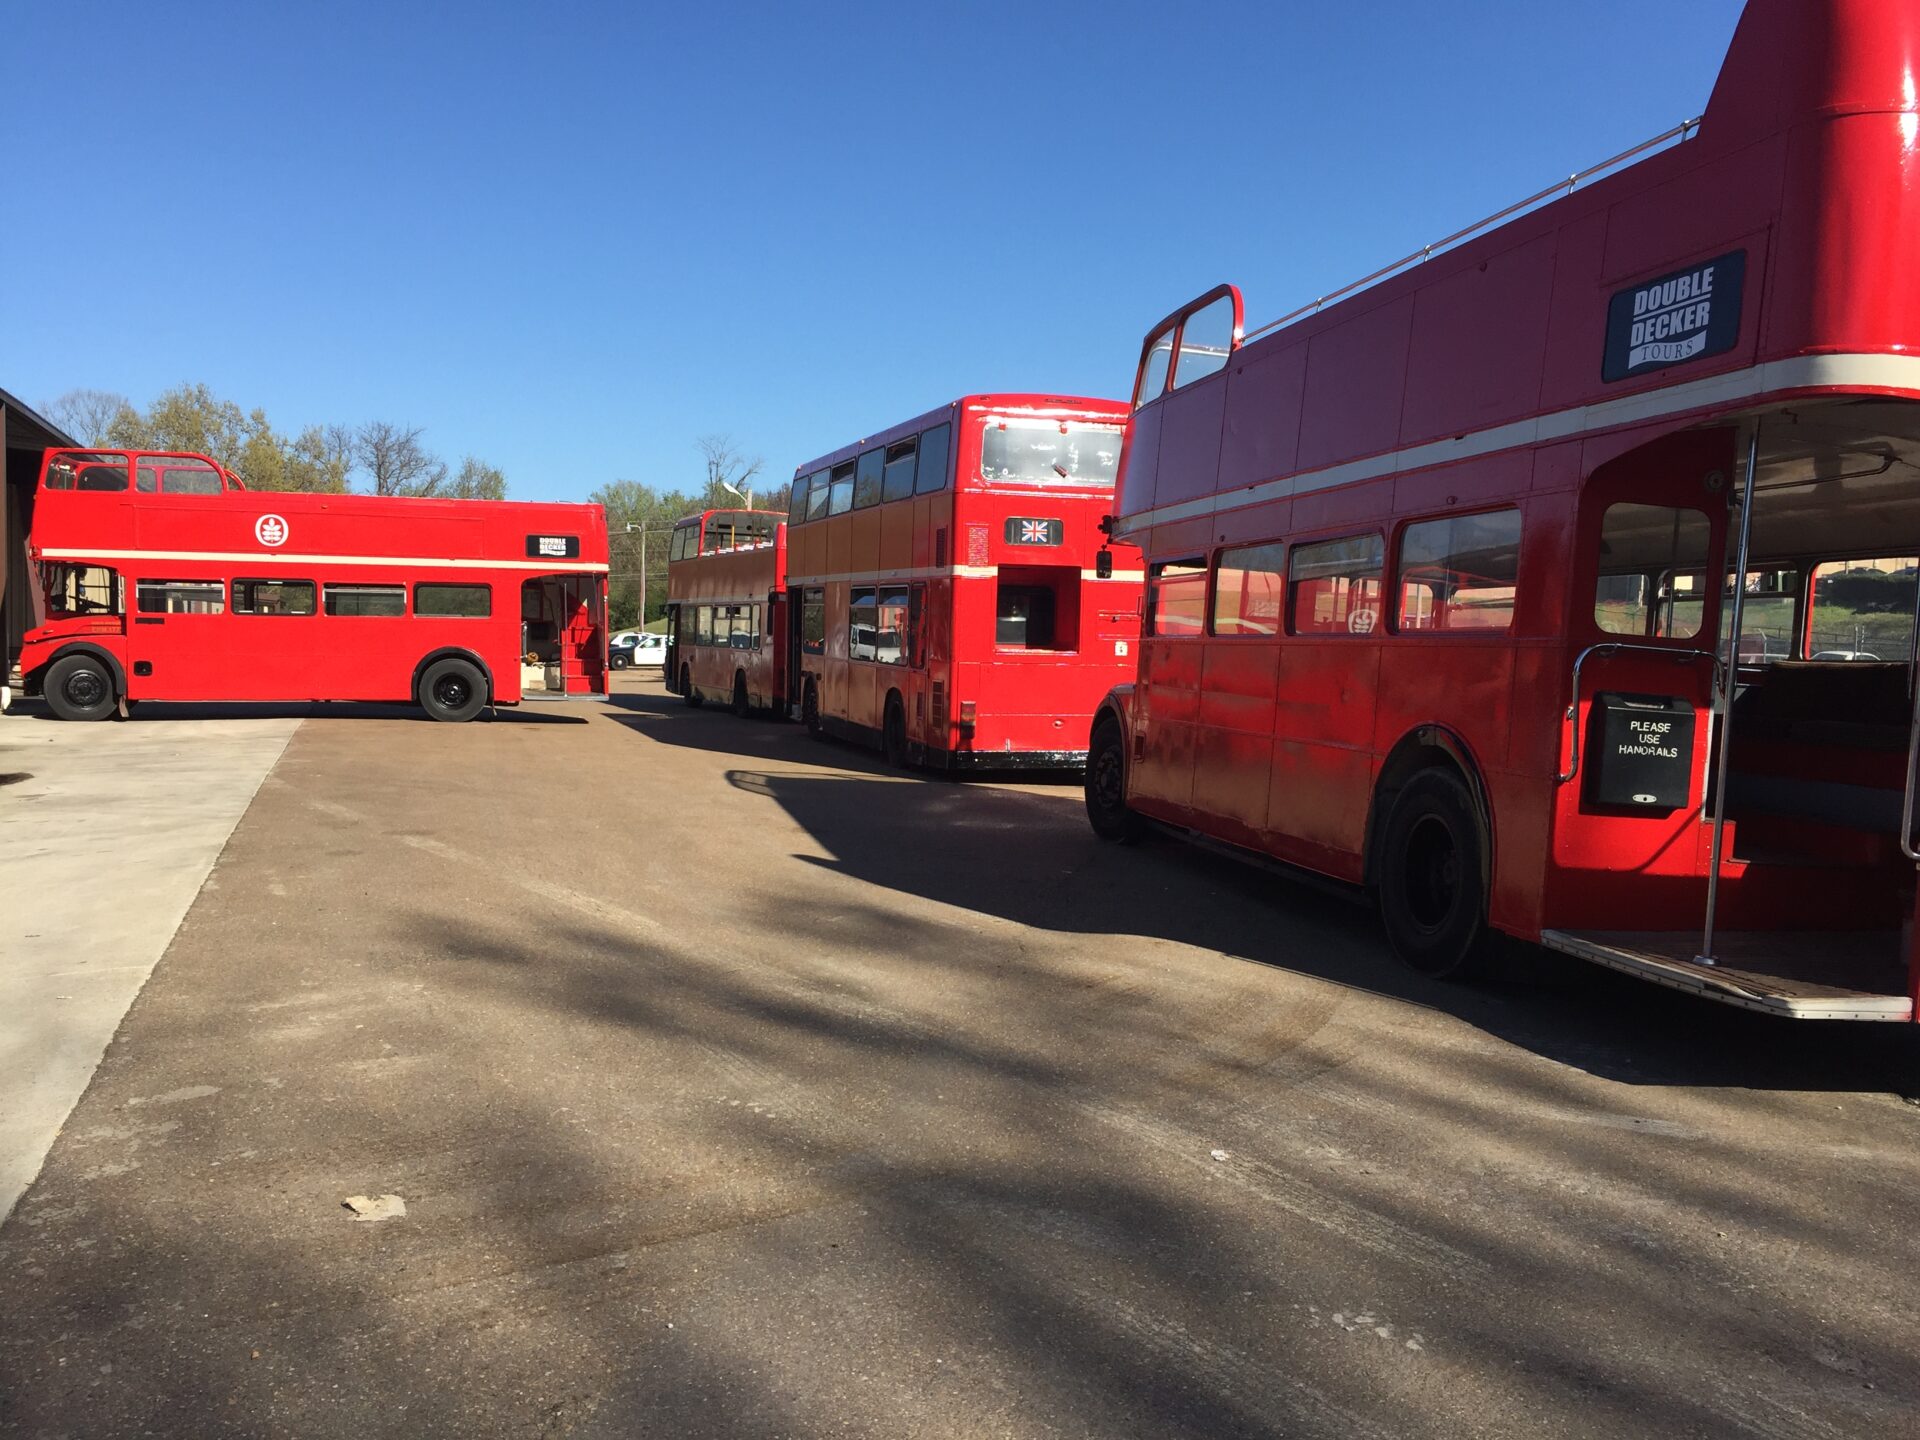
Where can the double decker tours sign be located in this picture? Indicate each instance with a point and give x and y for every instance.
(1687, 315)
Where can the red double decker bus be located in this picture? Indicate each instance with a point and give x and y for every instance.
(727, 609)
(1560, 581)
(954, 599)
(161, 577)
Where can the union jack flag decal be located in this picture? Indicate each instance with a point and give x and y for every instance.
(1021, 531)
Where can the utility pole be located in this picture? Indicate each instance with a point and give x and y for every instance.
(643, 571)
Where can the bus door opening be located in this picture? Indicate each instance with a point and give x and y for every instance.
(564, 631)
(1037, 607)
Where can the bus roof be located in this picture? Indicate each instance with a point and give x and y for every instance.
(1066, 407)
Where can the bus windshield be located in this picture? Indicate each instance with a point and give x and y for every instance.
(1047, 452)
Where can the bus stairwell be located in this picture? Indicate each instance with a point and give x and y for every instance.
(1809, 759)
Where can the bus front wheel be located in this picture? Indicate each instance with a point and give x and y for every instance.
(1106, 786)
(453, 690)
(79, 687)
(1433, 878)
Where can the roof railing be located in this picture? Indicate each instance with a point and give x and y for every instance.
(1680, 133)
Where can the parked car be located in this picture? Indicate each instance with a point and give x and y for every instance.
(636, 647)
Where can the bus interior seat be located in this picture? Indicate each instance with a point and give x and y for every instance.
(1823, 741)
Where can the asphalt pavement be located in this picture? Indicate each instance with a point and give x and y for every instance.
(735, 1086)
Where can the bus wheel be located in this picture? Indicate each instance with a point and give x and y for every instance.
(687, 692)
(742, 702)
(1433, 878)
(893, 734)
(453, 689)
(79, 687)
(1106, 784)
(810, 710)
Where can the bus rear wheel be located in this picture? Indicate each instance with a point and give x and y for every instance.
(79, 687)
(687, 692)
(1106, 785)
(1433, 878)
(742, 702)
(893, 734)
(453, 690)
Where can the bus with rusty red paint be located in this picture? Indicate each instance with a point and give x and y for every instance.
(727, 610)
(162, 577)
(1559, 581)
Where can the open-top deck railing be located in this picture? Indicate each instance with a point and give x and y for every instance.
(1680, 134)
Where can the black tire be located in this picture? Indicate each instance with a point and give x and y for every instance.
(893, 734)
(1106, 786)
(1433, 878)
(810, 711)
(687, 692)
(742, 702)
(452, 690)
(80, 687)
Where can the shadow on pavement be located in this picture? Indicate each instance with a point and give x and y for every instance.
(33, 709)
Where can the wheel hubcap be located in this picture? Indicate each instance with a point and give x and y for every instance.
(451, 691)
(1106, 779)
(85, 687)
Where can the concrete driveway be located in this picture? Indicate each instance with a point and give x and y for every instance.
(736, 1087)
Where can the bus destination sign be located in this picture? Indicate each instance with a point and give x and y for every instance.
(553, 547)
(1687, 315)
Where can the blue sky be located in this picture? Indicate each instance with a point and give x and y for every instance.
(571, 238)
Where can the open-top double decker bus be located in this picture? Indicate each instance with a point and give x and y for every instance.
(955, 602)
(1560, 580)
(162, 577)
(727, 609)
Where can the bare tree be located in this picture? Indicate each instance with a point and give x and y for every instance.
(729, 472)
(396, 461)
(87, 415)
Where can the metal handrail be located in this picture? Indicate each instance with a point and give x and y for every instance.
(1682, 132)
(1615, 647)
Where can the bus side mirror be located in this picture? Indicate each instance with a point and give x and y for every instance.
(1103, 564)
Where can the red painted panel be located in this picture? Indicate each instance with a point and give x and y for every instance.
(1261, 436)
(1356, 384)
(1190, 440)
(1479, 336)
(1323, 751)
(1140, 463)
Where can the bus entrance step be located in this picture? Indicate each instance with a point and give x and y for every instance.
(1801, 974)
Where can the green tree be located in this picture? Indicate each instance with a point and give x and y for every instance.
(477, 481)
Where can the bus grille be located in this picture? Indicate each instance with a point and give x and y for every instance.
(940, 703)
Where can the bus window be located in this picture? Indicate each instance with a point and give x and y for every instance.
(1766, 615)
(890, 627)
(1862, 610)
(813, 621)
(273, 597)
(898, 481)
(866, 482)
(1047, 452)
(180, 597)
(1249, 585)
(862, 620)
(797, 499)
(1335, 586)
(840, 489)
(703, 624)
(818, 494)
(1646, 554)
(366, 600)
(453, 601)
(1177, 591)
(930, 473)
(81, 589)
(1459, 573)
(1153, 370)
(103, 472)
(1206, 342)
(177, 475)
